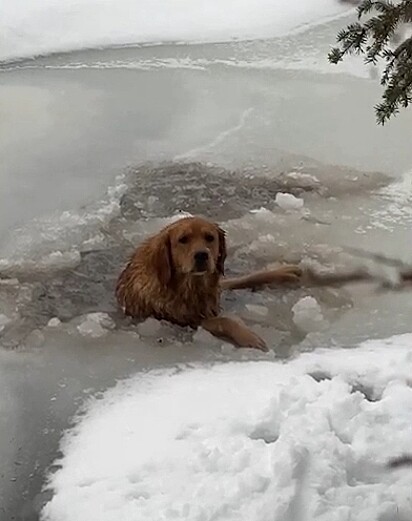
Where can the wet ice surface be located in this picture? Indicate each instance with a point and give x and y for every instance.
(221, 139)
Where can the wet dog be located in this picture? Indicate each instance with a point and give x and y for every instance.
(178, 275)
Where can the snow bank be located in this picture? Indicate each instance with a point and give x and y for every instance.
(29, 28)
(247, 442)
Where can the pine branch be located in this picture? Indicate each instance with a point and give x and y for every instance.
(373, 39)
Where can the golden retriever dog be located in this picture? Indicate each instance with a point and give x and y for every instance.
(178, 275)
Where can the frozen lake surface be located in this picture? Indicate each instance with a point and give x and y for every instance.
(102, 147)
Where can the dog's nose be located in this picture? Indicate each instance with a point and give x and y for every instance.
(201, 257)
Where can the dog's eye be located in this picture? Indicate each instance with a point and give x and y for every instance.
(184, 239)
(209, 237)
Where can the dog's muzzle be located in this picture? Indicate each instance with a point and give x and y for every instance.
(201, 263)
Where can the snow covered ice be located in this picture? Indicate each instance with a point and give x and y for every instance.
(29, 28)
(246, 441)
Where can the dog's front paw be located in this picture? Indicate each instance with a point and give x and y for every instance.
(290, 273)
(248, 338)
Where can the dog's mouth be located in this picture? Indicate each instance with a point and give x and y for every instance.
(198, 272)
(202, 262)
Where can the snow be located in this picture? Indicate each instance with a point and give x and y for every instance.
(29, 28)
(301, 440)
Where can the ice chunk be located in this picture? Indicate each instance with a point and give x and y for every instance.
(95, 325)
(228, 349)
(91, 328)
(35, 339)
(96, 241)
(4, 320)
(103, 318)
(9, 282)
(259, 215)
(150, 328)
(265, 245)
(163, 331)
(54, 322)
(307, 315)
(262, 212)
(152, 202)
(288, 201)
(307, 179)
(254, 309)
(205, 338)
(55, 260)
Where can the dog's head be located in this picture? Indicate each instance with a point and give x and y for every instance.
(191, 246)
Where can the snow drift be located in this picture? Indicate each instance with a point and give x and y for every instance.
(304, 440)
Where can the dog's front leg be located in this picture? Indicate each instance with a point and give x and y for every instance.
(283, 275)
(234, 331)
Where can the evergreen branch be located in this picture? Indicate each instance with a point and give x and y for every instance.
(373, 39)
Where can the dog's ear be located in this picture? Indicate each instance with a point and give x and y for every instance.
(222, 251)
(162, 258)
